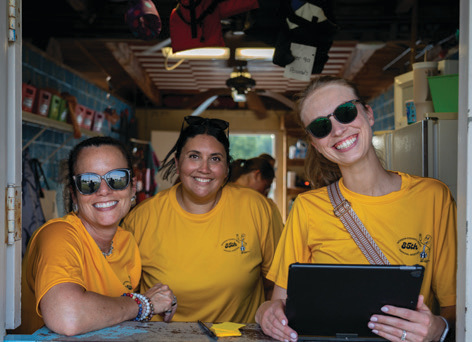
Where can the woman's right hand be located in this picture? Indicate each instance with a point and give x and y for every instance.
(163, 300)
(272, 319)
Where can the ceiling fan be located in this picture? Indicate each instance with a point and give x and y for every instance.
(240, 86)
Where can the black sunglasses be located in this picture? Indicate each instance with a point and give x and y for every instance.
(89, 183)
(199, 121)
(344, 113)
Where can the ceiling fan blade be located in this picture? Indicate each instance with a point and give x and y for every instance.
(255, 104)
(198, 99)
(279, 97)
(204, 105)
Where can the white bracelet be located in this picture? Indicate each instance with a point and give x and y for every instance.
(446, 330)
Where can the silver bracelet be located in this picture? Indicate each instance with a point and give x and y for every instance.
(446, 330)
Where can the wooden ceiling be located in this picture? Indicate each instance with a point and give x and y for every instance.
(92, 38)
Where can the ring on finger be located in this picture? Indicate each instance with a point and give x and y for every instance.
(403, 338)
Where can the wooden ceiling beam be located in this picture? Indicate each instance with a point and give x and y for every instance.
(125, 56)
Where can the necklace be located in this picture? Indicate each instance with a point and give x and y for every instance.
(109, 251)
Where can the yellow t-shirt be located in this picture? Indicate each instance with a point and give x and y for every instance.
(62, 251)
(415, 225)
(213, 262)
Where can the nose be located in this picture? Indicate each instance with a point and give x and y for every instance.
(205, 166)
(104, 188)
(337, 128)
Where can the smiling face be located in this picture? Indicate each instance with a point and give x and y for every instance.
(346, 143)
(202, 168)
(106, 207)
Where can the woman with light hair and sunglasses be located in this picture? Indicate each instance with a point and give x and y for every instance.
(80, 271)
(393, 206)
(212, 242)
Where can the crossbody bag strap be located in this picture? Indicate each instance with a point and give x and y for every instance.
(355, 227)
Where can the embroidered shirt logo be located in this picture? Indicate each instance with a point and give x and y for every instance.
(411, 246)
(235, 244)
(127, 284)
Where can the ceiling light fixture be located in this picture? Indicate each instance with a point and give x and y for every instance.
(202, 53)
(245, 54)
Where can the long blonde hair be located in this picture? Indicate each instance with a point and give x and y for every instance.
(319, 170)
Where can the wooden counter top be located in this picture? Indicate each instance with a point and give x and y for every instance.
(149, 332)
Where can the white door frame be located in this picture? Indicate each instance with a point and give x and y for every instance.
(10, 161)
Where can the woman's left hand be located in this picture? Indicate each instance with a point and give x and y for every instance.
(164, 301)
(408, 325)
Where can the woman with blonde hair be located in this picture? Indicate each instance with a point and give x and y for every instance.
(393, 206)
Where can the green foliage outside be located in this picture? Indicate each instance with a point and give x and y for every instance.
(246, 146)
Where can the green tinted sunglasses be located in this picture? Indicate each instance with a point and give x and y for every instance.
(344, 113)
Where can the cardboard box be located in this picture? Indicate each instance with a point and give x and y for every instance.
(80, 114)
(54, 107)
(63, 111)
(87, 119)
(43, 102)
(98, 119)
(29, 96)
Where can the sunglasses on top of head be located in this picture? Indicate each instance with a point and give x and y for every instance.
(199, 121)
(344, 113)
(89, 183)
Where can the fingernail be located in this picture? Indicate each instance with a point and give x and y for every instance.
(293, 335)
(283, 322)
(371, 325)
(375, 331)
(286, 341)
(384, 309)
(374, 319)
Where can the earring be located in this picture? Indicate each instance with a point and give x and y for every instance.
(75, 208)
(133, 201)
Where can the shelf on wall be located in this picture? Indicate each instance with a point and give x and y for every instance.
(296, 191)
(295, 162)
(48, 123)
(54, 124)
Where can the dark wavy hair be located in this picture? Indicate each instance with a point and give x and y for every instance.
(242, 166)
(169, 168)
(74, 154)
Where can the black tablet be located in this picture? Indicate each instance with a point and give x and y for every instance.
(328, 302)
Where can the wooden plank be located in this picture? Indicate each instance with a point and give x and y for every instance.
(150, 332)
(125, 56)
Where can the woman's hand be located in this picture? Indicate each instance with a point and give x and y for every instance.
(272, 319)
(163, 300)
(408, 325)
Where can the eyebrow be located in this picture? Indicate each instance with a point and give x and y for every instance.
(212, 154)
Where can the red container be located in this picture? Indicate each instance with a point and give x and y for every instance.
(29, 95)
(87, 119)
(42, 103)
(98, 121)
(80, 114)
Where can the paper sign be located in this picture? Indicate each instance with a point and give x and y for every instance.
(300, 69)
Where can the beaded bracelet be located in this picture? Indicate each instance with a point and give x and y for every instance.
(146, 309)
(149, 310)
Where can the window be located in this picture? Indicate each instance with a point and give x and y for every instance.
(246, 146)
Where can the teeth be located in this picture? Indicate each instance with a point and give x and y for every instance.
(203, 180)
(346, 143)
(105, 205)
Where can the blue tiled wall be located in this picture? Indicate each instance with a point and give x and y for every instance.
(384, 113)
(53, 146)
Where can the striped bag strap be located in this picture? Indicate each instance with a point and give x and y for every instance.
(360, 235)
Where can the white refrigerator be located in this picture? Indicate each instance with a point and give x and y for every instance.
(427, 148)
